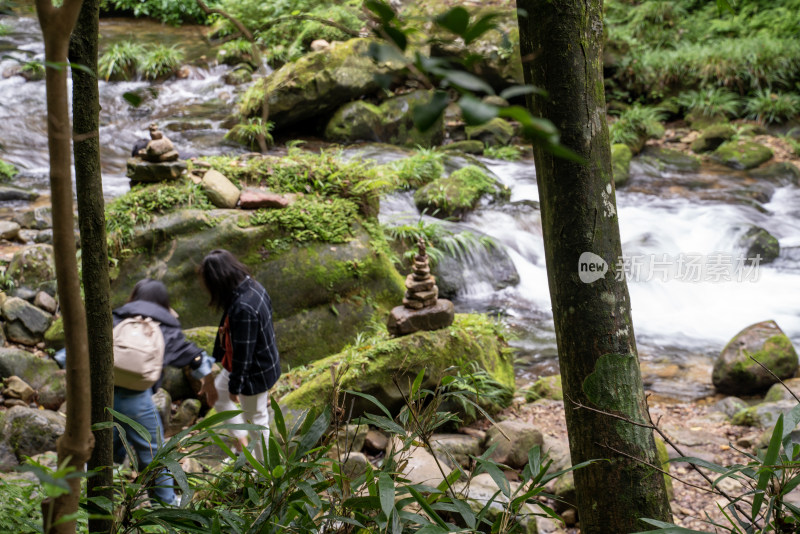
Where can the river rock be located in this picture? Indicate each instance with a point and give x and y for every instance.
(465, 146)
(376, 441)
(389, 122)
(9, 230)
(546, 387)
(253, 199)
(387, 369)
(404, 321)
(185, 416)
(10, 192)
(26, 323)
(742, 154)
(8, 460)
(32, 369)
(730, 406)
(422, 468)
(16, 388)
(736, 374)
(318, 83)
(667, 159)
(763, 415)
(458, 193)
(36, 219)
(176, 384)
(30, 432)
(483, 490)
(758, 242)
(779, 392)
(350, 438)
(33, 267)
(514, 439)
(458, 448)
(140, 171)
(496, 132)
(45, 302)
(712, 137)
(780, 174)
(219, 190)
(52, 391)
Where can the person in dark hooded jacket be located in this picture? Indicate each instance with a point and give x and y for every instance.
(149, 298)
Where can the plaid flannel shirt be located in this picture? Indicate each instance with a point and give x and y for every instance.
(256, 365)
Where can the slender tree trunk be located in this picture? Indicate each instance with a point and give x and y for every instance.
(594, 330)
(83, 50)
(77, 441)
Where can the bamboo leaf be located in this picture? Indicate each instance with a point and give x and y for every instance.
(456, 20)
(386, 493)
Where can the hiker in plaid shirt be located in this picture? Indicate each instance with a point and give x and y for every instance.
(245, 343)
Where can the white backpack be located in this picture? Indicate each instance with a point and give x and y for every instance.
(138, 353)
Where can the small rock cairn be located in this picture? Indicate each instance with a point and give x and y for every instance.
(422, 308)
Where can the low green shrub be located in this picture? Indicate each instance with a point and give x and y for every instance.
(635, 125)
(7, 171)
(174, 12)
(508, 153)
(249, 133)
(770, 107)
(127, 59)
(710, 103)
(160, 61)
(422, 167)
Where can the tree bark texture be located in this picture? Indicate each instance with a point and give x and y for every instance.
(77, 441)
(83, 50)
(594, 330)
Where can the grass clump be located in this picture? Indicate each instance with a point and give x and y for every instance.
(423, 167)
(251, 132)
(125, 60)
(636, 125)
(711, 103)
(507, 153)
(770, 107)
(458, 193)
(7, 171)
(140, 206)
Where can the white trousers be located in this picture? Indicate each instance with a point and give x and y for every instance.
(254, 409)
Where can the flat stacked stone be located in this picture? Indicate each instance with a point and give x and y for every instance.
(422, 309)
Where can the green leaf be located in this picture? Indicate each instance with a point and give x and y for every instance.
(383, 10)
(765, 471)
(476, 112)
(386, 493)
(372, 399)
(397, 36)
(417, 382)
(137, 427)
(216, 419)
(427, 507)
(426, 115)
(467, 81)
(483, 25)
(465, 511)
(280, 423)
(520, 90)
(497, 475)
(667, 528)
(456, 20)
(385, 53)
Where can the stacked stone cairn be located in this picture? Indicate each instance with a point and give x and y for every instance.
(421, 309)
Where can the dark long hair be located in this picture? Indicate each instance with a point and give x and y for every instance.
(222, 273)
(151, 291)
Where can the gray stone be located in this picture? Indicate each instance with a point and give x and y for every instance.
(350, 438)
(756, 241)
(514, 439)
(736, 373)
(35, 219)
(376, 440)
(456, 447)
(763, 415)
(730, 406)
(253, 199)
(495, 132)
(33, 267)
(53, 390)
(16, 388)
(33, 318)
(781, 174)
(32, 369)
(785, 391)
(422, 468)
(404, 321)
(45, 302)
(354, 464)
(219, 190)
(140, 171)
(30, 432)
(9, 230)
(184, 417)
(10, 192)
(483, 489)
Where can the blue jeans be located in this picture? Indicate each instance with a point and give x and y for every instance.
(139, 406)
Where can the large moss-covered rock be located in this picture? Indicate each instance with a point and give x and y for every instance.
(763, 415)
(621, 156)
(379, 369)
(788, 390)
(781, 174)
(33, 267)
(390, 122)
(666, 159)
(322, 293)
(742, 154)
(493, 133)
(10, 192)
(712, 137)
(458, 193)
(317, 84)
(757, 242)
(735, 373)
(29, 432)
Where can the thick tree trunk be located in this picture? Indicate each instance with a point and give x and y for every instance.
(594, 331)
(77, 441)
(83, 50)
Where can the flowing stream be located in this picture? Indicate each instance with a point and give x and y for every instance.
(681, 322)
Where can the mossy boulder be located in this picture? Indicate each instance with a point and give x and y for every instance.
(380, 367)
(322, 293)
(757, 242)
(390, 122)
(763, 415)
(30, 432)
(492, 133)
(667, 159)
(32, 369)
(317, 84)
(735, 373)
(712, 137)
(781, 174)
(54, 337)
(788, 390)
(742, 154)
(466, 146)
(546, 387)
(621, 156)
(33, 267)
(10, 192)
(458, 193)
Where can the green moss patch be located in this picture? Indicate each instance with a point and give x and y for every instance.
(7, 171)
(621, 156)
(458, 193)
(742, 154)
